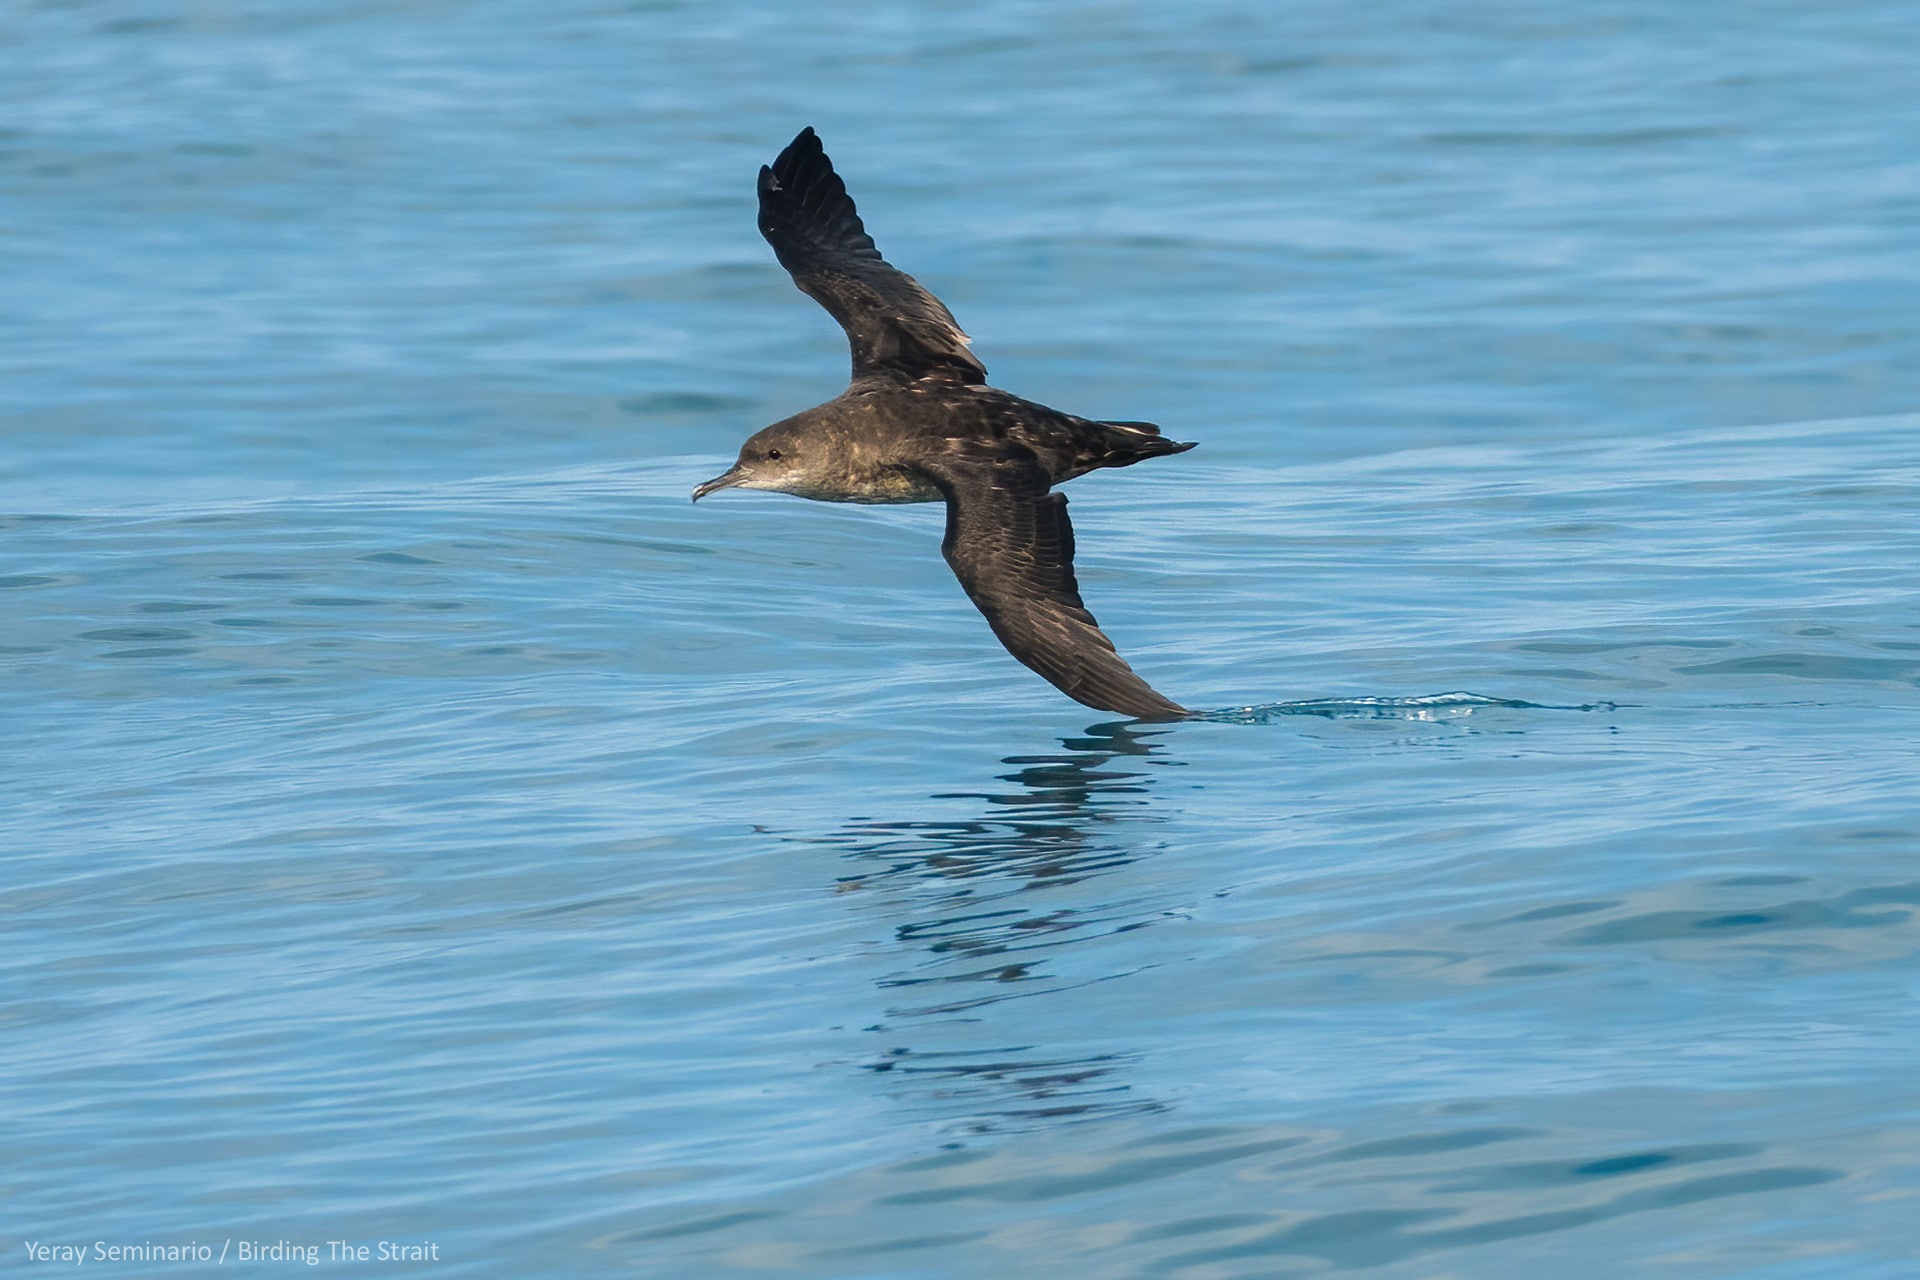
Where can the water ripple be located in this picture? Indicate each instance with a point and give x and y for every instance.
(422, 823)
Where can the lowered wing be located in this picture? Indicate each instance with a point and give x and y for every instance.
(1009, 543)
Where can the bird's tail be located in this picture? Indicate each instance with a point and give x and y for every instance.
(1131, 442)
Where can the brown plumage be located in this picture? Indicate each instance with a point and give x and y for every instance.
(919, 424)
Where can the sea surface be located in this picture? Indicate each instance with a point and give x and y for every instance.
(423, 829)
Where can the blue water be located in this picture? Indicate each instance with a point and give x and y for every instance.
(422, 825)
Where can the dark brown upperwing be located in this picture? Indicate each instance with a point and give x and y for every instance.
(894, 326)
(1011, 546)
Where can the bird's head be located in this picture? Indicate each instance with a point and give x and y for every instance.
(777, 459)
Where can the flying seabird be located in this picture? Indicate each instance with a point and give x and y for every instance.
(918, 423)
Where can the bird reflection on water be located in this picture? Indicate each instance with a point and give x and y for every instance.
(1024, 901)
(1048, 831)
(1007, 906)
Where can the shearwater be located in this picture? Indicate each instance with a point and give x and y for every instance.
(918, 423)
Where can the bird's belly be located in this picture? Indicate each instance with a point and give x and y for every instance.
(889, 486)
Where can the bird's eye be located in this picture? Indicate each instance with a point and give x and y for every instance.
(773, 455)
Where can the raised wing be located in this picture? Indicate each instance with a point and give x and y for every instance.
(1010, 545)
(896, 328)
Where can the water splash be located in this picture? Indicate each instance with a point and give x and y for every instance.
(1429, 706)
